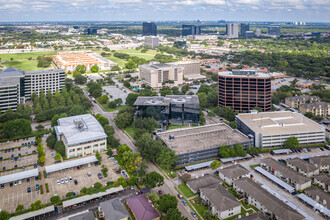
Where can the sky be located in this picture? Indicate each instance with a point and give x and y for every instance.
(165, 10)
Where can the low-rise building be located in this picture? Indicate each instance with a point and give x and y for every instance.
(151, 41)
(141, 208)
(322, 180)
(112, 210)
(196, 184)
(302, 167)
(81, 135)
(321, 162)
(264, 201)
(191, 70)
(296, 101)
(291, 177)
(234, 172)
(272, 129)
(319, 196)
(317, 108)
(255, 216)
(222, 203)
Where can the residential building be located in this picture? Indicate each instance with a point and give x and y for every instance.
(188, 29)
(232, 30)
(317, 108)
(141, 208)
(83, 216)
(272, 129)
(267, 203)
(255, 216)
(81, 135)
(321, 162)
(274, 30)
(201, 143)
(151, 41)
(296, 101)
(242, 90)
(222, 203)
(113, 210)
(17, 86)
(149, 29)
(69, 60)
(291, 177)
(157, 74)
(196, 184)
(319, 196)
(244, 28)
(302, 167)
(322, 180)
(174, 109)
(234, 172)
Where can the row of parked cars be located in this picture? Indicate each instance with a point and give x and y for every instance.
(66, 180)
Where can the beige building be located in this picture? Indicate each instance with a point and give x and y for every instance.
(81, 135)
(322, 180)
(157, 74)
(151, 41)
(296, 101)
(321, 162)
(191, 70)
(234, 172)
(317, 108)
(303, 167)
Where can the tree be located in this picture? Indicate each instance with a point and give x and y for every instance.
(51, 141)
(309, 114)
(60, 148)
(104, 170)
(130, 65)
(40, 127)
(233, 125)
(112, 104)
(80, 79)
(98, 157)
(174, 214)
(115, 68)
(54, 120)
(208, 215)
(81, 68)
(292, 142)
(19, 208)
(153, 179)
(54, 199)
(167, 202)
(167, 159)
(4, 215)
(131, 98)
(97, 185)
(104, 99)
(215, 164)
(57, 157)
(123, 120)
(185, 177)
(69, 194)
(118, 101)
(203, 103)
(95, 69)
(103, 121)
(36, 205)
(109, 152)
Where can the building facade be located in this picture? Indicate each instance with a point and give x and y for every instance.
(157, 74)
(244, 28)
(232, 30)
(149, 29)
(234, 172)
(272, 129)
(81, 135)
(243, 90)
(17, 86)
(274, 30)
(303, 167)
(189, 29)
(321, 162)
(151, 41)
(296, 101)
(317, 108)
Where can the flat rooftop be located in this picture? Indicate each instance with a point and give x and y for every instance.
(244, 73)
(285, 122)
(185, 140)
(165, 101)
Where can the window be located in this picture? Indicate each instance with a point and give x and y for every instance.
(72, 150)
(79, 149)
(102, 144)
(95, 145)
(87, 147)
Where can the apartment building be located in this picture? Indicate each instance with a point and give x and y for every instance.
(321, 162)
(317, 108)
(234, 172)
(303, 167)
(17, 86)
(242, 90)
(81, 135)
(196, 184)
(157, 74)
(272, 129)
(296, 101)
(322, 180)
(319, 196)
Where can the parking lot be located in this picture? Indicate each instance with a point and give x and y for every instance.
(18, 162)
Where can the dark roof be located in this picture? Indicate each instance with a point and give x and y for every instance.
(84, 216)
(113, 209)
(325, 178)
(11, 71)
(321, 160)
(315, 105)
(141, 208)
(234, 171)
(278, 207)
(300, 97)
(255, 216)
(169, 99)
(220, 197)
(301, 164)
(202, 182)
(314, 192)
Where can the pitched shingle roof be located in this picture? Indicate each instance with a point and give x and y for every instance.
(301, 164)
(202, 182)
(234, 171)
(113, 209)
(141, 208)
(321, 160)
(255, 216)
(314, 192)
(325, 178)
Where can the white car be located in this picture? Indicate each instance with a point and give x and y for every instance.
(66, 180)
(70, 178)
(19, 182)
(62, 180)
(89, 165)
(58, 182)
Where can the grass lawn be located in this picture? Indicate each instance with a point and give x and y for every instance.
(254, 166)
(200, 208)
(243, 213)
(152, 52)
(175, 127)
(26, 65)
(186, 191)
(131, 131)
(20, 56)
(120, 62)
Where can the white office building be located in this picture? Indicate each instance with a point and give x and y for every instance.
(151, 41)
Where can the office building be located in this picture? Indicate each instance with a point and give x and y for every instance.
(191, 70)
(151, 41)
(274, 30)
(201, 143)
(81, 135)
(149, 29)
(288, 175)
(249, 34)
(17, 86)
(296, 101)
(189, 29)
(157, 74)
(242, 90)
(272, 129)
(258, 32)
(173, 109)
(232, 30)
(266, 202)
(317, 108)
(244, 28)
(90, 31)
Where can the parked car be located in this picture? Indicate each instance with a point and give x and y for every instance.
(99, 175)
(89, 174)
(66, 180)
(76, 182)
(37, 187)
(15, 183)
(70, 179)
(11, 184)
(2, 186)
(184, 202)
(193, 214)
(89, 165)
(58, 182)
(28, 180)
(62, 180)
(28, 189)
(160, 192)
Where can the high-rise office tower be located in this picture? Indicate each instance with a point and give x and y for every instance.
(90, 31)
(189, 29)
(242, 90)
(244, 28)
(232, 30)
(274, 30)
(149, 28)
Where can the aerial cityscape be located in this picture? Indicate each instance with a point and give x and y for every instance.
(165, 110)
